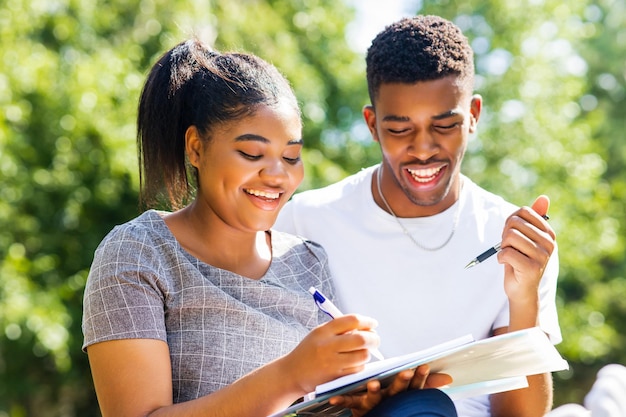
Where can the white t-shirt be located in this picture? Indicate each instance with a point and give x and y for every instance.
(420, 298)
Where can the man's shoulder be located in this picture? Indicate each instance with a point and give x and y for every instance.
(334, 193)
(487, 201)
(285, 242)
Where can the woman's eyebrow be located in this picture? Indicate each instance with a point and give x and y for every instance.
(258, 138)
(251, 137)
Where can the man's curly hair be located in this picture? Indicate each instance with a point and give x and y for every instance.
(419, 48)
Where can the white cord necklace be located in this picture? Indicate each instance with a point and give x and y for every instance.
(404, 229)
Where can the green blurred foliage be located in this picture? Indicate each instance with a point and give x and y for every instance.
(552, 75)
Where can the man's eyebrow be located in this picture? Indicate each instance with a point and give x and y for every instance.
(449, 113)
(395, 118)
(249, 137)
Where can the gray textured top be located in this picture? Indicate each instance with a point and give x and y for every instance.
(218, 325)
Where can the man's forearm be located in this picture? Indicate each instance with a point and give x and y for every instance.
(534, 401)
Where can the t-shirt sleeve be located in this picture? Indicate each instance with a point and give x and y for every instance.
(286, 221)
(123, 297)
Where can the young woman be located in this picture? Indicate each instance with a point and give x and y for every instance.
(205, 310)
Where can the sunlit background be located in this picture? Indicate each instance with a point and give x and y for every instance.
(552, 74)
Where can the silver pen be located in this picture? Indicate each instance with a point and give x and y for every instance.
(491, 251)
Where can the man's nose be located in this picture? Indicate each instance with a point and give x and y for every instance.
(423, 146)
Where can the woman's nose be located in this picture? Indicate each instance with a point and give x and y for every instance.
(275, 168)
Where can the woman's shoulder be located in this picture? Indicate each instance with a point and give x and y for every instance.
(147, 229)
(150, 221)
(298, 263)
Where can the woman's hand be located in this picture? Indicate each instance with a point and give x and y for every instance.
(418, 378)
(334, 349)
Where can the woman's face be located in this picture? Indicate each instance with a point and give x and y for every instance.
(249, 168)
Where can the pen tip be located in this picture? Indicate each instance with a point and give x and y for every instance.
(471, 264)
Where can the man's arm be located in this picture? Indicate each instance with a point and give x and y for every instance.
(528, 241)
(534, 401)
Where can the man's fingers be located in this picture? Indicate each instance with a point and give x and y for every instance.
(361, 401)
(438, 380)
(400, 383)
(419, 378)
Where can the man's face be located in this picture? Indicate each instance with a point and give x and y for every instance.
(422, 129)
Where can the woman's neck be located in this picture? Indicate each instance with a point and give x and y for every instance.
(216, 243)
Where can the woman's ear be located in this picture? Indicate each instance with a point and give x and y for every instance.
(193, 145)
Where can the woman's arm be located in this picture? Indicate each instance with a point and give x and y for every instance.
(133, 377)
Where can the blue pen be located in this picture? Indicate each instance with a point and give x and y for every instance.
(329, 308)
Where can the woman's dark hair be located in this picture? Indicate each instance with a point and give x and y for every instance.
(419, 48)
(192, 85)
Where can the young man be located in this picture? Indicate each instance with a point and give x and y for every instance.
(399, 234)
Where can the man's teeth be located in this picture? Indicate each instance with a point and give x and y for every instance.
(263, 194)
(424, 175)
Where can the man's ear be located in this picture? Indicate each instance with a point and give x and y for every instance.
(476, 106)
(193, 145)
(369, 114)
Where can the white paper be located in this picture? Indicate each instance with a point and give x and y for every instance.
(376, 368)
(496, 364)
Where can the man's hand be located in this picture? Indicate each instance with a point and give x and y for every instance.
(527, 243)
(410, 379)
